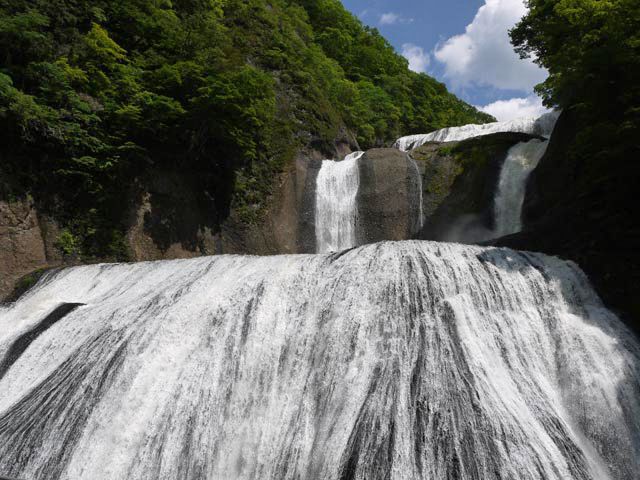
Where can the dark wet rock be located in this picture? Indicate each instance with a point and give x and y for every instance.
(388, 196)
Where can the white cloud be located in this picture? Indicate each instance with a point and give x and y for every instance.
(513, 108)
(389, 18)
(418, 59)
(484, 56)
(392, 18)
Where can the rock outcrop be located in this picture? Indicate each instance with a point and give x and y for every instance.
(27, 242)
(459, 181)
(288, 224)
(388, 197)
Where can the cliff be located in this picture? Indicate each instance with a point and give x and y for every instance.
(146, 131)
(459, 180)
(582, 207)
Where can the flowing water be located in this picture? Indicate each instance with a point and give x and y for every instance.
(542, 126)
(336, 207)
(399, 361)
(521, 160)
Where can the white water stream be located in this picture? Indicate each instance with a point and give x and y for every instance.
(336, 207)
(399, 361)
(521, 160)
(542, 126)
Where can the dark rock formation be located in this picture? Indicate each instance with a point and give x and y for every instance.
(388, 196)
(169, 219)
(585, 210)
(459, 180)
(288, 225)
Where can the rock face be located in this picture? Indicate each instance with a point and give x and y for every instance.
(459, 181)
(288, 225)
(586, 212)
(26, 242)
(388, 197)
(169, 220)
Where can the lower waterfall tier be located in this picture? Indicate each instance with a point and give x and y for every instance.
(401, 361)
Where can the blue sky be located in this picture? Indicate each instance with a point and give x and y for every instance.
(463, 43)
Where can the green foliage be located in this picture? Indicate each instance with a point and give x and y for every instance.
(379, 97)
(97, 95)
(67, 243)
(591, 49)
(25, 283)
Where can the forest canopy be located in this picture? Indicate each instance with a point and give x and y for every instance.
(591, 49)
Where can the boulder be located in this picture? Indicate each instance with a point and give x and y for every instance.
(388, 197)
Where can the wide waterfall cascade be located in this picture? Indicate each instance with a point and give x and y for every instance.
(336, 208)
(403, 361)
(542, 126)
(521, 160)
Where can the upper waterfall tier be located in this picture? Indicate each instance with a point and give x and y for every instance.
(542, 126)
(401, 361)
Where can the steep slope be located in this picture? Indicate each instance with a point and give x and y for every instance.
(154, 129)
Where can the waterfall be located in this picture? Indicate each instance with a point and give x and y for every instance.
(521, 160)
(419, 215)
(336, 209)
(403, 361)
(542, 126)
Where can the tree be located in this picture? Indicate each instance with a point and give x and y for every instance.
(591, 49)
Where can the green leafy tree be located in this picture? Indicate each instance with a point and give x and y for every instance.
(591, 49)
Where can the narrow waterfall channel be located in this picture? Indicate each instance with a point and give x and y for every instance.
(400, 361)
(521, 160)
(336, 207)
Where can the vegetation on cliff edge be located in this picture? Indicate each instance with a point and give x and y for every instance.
(96, 94)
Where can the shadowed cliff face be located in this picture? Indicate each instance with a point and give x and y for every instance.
(27, 243)
(585, 209)
(172, 216)
(459, 181)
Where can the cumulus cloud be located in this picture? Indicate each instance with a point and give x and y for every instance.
(483, 54)
(418, 58)
(389, 18)
(392, 18)
(513, 108)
